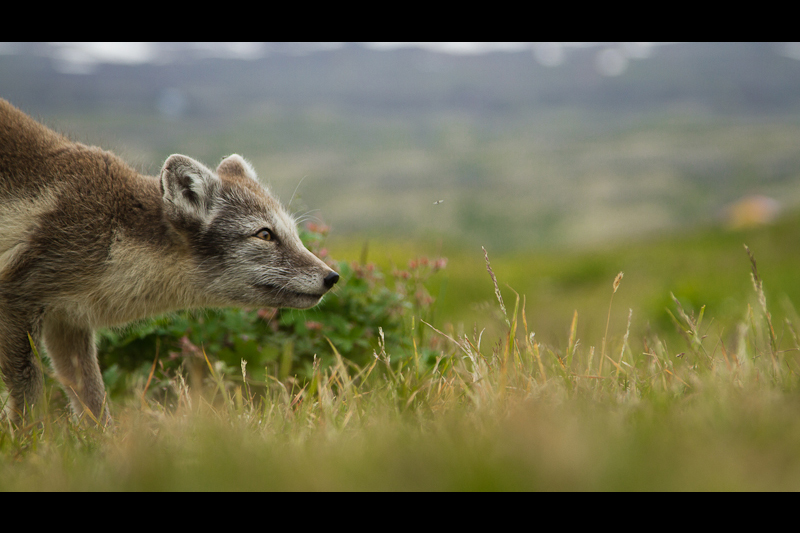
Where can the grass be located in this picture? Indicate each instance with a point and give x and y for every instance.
(704, 267)
(494, 411)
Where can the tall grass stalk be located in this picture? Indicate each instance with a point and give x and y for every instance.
(615, 286)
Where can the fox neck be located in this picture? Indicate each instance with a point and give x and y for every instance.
(149, 270)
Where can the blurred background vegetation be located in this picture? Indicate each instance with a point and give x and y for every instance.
(567, 162)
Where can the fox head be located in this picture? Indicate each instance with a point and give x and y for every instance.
(244, 244)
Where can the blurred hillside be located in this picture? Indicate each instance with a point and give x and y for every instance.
(581, 147)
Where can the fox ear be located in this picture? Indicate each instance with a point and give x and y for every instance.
(189, 186)
(235, 165)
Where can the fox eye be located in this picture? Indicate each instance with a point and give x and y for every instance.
(265, 234)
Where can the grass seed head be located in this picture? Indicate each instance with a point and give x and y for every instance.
(617, 281)
(496, 288)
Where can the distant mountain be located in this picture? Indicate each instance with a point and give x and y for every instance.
(717, 77)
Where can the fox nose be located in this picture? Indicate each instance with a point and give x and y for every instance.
(331, 279)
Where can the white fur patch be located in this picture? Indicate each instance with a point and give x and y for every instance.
(17, 217)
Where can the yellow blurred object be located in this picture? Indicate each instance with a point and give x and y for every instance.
(750, 211)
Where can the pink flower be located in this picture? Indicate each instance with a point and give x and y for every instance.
(267, 313)
(423, 298)
(188, 348)
(317, 228)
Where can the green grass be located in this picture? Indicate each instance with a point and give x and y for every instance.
(704, 267)
(498, 409)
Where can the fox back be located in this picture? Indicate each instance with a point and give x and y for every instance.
(86, 241)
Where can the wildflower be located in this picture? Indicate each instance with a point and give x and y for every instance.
(423, 298)
(318, 228)
(267, 313)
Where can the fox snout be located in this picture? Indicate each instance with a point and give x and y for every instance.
(331, 279)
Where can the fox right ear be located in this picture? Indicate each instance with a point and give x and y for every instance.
(236, 165)
(189, 186)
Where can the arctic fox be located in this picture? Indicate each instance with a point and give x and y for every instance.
(88, 242)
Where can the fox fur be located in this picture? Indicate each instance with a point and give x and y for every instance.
(87, 242)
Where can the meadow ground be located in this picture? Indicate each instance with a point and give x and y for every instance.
(712, 404)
